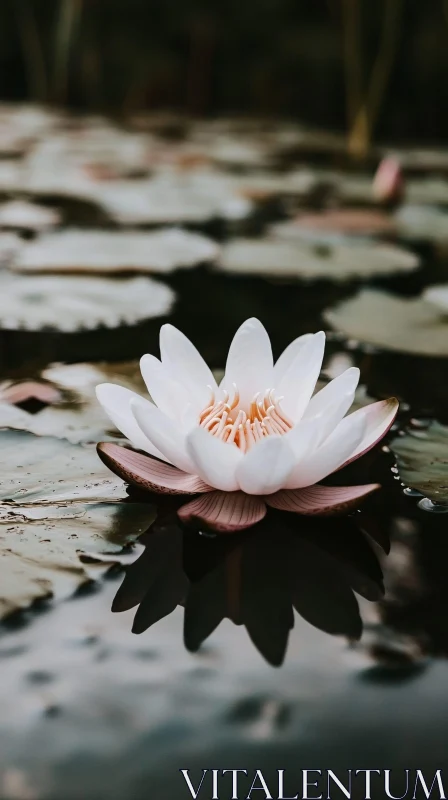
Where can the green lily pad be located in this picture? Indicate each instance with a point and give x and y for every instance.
(115, 251)
(40, 557)
(405, 325)
(72, 303)
(282, 258)
(422, 460)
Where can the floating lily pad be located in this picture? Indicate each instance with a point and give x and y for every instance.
(392, 323)
(40, 557)
(116, 251)
(76, 415)
(192, 197)
(10, 246)
(21, 215)
(46, 470)
(427, 191)
(274, 257)
(422, 460)
(422, 223)
(344, 222)
(438, 297)
(73, 303)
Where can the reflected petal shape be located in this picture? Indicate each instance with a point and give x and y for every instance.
(226, 512)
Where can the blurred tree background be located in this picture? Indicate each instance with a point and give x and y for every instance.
(374, 67)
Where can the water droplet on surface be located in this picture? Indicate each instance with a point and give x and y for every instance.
(435, 508)
(409, 492)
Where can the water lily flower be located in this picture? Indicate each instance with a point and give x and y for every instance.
(261, 437)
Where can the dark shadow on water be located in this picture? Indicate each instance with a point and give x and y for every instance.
(255, 578)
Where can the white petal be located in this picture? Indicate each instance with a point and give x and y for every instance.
(249, 362)
(186, 365)
(304, 437)
(116, 403)
(330, 455)
(378, 418)
(266, 467)
(287, 357)
(333, 401)
(168, 394)
(299, 380)
(163, 432)
(214, 461)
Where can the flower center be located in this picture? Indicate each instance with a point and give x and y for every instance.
(226, 420)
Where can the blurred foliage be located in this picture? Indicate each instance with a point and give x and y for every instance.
(289, 57)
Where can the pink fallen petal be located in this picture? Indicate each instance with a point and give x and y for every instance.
(379, 418)
(324, 501)
(17, 393)
(147, 472)
(226, 512)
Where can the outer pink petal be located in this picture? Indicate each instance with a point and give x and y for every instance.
(320, 500)
(147, 473)
(226, 512)
(379, 418)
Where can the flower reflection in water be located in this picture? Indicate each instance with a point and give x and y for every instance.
(255, 578)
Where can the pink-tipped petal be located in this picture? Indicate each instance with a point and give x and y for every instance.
(324, 501)
(147, 473)
(379, 417)
(225, 512)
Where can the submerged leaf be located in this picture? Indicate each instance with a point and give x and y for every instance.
(21, 215)
(422, 460)
(392, 323)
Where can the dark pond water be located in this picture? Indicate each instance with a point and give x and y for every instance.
(299, 644)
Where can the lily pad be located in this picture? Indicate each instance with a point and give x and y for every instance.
(74, 303)
(274, 257)
(405, 325)
(422, 223)
(10, 246)
(116, 251)
(422, 460)
(45, 470)
(193, 197)
(438, 297)
(21, 215)
(427, 191)
(344, 222)
(39, 558)
(76, 415)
